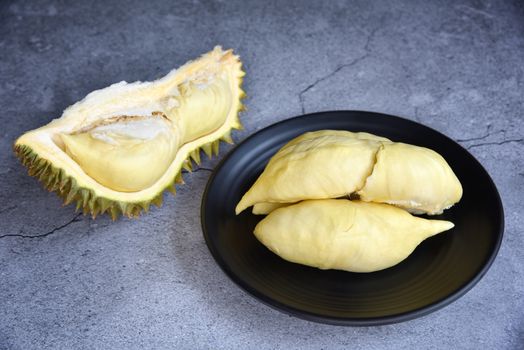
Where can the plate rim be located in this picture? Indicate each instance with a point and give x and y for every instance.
(348, 321)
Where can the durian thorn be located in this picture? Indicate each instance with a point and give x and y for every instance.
(94, 212)
(179, 179)
(216, 147)
(31, 171)
(70, 196)
(172, 188)
(237, 125)
(114, 212)
(208, 150)
(91, 204)
(62, 184)
(68, 187)
(39, 169)
(52, 181)
(78, 204)
(136, 211)
(227, 137)
(187, 165)
(195, 156)
(44, 173)
(84, 197)
(104, 204)
(144, 205)
(157, 200)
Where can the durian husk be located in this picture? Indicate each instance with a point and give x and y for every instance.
(57, 179)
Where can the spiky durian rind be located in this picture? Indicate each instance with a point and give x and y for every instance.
(56, 180)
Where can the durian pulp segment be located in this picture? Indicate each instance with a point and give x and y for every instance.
(345, 235)
(207, 102)
(265, 208)
(333, 163)
(417, 179)
(315, 165)
(96, 145)
(128, 155)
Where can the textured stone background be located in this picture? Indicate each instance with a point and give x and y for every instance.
(67, 281)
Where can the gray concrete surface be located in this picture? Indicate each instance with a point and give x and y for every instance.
(68, 282)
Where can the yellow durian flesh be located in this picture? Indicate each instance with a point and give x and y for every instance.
(319, 134)
(127, 155)
(199, 105)
(266, 208)
(315, 165)
(331, 164)
(414, 178)
(207, 102)
(345, 235)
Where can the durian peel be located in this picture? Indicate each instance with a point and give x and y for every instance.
(120, 147)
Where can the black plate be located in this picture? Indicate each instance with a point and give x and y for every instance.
(439, 271)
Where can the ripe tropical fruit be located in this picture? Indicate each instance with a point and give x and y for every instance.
(345, 235)
(120, 147)
(334, 163)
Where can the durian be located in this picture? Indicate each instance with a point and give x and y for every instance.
(315, 165)
(119, 148)
(345, 235)
(266, 208)
(415, 178)
(332, 163)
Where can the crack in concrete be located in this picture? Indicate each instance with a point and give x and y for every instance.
(74, 219)
(475, 138)
(184, 171)
(301, 94)
(494, 143)
(205, 169)
(370, 37)
(466, 9)
(338, 69)
(485, 136)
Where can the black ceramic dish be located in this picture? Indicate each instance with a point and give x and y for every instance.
(439, 271)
